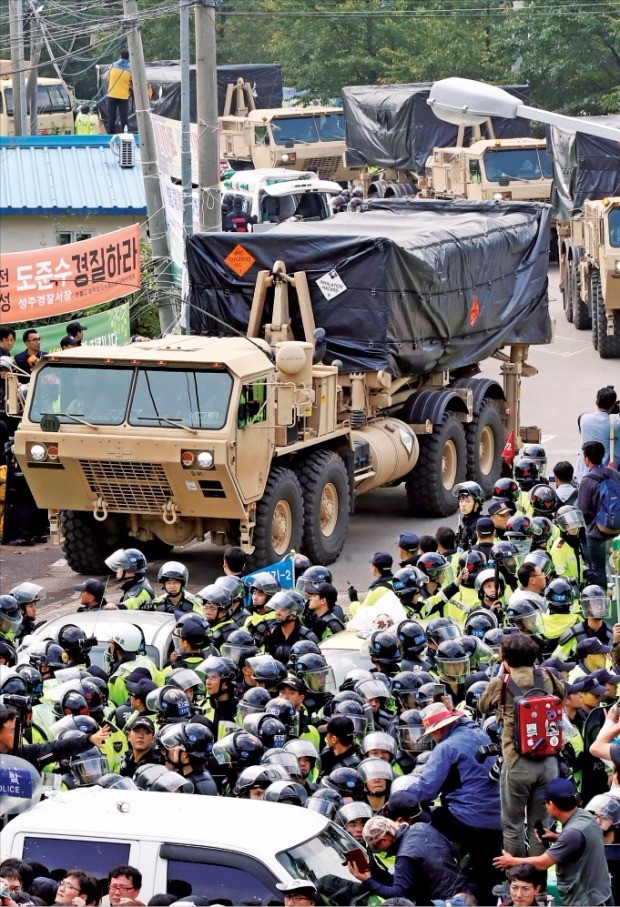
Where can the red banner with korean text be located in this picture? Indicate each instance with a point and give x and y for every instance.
(59, 280)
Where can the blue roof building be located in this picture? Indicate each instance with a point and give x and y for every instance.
(59, 189)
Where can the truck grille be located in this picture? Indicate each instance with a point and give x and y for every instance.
(325, 166)
(128, 487)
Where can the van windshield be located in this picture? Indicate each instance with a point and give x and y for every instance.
(306, 130)
(321, 860)
(144, 397)
(517, 164)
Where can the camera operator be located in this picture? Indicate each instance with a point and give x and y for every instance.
(522, 777)
(595, 426)
(39, 754)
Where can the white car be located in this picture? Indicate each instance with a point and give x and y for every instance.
(227, 850)
(156, 626)
(344, 652)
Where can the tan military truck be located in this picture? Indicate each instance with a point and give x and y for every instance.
(353, 366)
(401, 148)
(586, 172)
(597, 234)
(302, 138)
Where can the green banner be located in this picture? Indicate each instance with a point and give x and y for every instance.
(109, 328)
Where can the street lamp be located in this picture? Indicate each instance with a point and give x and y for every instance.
(469, 103)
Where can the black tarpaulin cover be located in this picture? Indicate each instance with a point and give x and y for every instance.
(584, 167)
(428, 284)
(393, 126)
(164, 79)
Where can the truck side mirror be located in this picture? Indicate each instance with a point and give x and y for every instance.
(289, 143)
(504, 180)
(14, 395)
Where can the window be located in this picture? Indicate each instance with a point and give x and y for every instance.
(252, 408)
(321, 860)
(166, 398)
(306, 130)
(614, 227)
(223, 878)
(64, 854)
(93, 394)
(64, 237)
(516, 164)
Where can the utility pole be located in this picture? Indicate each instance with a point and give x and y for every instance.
(154, 202)
(206, 110)
(186, 152)
(36, 43)
(18, 66)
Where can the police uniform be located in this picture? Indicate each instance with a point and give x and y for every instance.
(137, 592)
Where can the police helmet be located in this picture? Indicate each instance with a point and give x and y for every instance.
(506, 489)
(542, 559)
(353, 677)
(316, 674)
(11, 682)
(173, 570)
(595, 602)
(542, 529)
(128, 637)
(239, 646)
(170, 704)
(474, 562)
(483, 577)
(89, 766)
(470, 489)
(240, 748)
(409, 732)
(543, 500)
(440, 629)
(325, 801)
(159, 778)
(286, 792)
(48, 654)
(75, 642)
(114, 781)
(525, 615)
(435, 566)
(480, 621)
(10, 613)
(288, 600)
(384, 647)
(8, 653)
(232, 584)
(129, 560)
(283, 710)
(185, 679)
(411, 636)
(526, 472)
(452, 660)
(505, 554)
(270, 730)
(253, 700)
(378, 740)
(350, 812)
(373, 768)
(27, 592)
(300, 563)
(258, 776)
(265, 582)
(569, 518)
(408, 581)
(536, 453)
(267, 669)
(474, 693)
(217, 596)
(302, 647)
(304, 749)
(346, 781)
(218, 665)
(32, 678)
(559, 594)
(356, 712)
(518, 526)
(312, 576)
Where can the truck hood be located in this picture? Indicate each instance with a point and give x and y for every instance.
(294, 187)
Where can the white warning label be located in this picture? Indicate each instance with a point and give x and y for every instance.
(331, 285)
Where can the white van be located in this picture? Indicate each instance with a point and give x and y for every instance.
(228, 850)
(272, 196)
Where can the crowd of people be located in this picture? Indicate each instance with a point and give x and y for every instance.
(458, 760)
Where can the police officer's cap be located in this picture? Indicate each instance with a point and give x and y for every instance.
(408, 541)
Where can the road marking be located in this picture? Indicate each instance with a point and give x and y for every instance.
(547, 438)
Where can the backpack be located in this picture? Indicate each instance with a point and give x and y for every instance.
(607, 517)
(537, 717)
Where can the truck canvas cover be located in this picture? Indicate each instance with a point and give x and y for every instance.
(409, 287)
(393, 126)
(584, 167)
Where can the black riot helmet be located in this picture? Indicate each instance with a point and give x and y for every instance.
(408, 582)
(526, 473)
(538, 454)
(480, 621)
(543, 500)
(542, 530)
(441, 628)
(404, 684)
(234, 585)
(506, 489)
(410, 731)
(346, 781)
(474, 562)
(10, 614)
(325, 801)
(435, 566)
(8, 653)
(75, 642)
(560, 594)
(472, 489)
(453, 660)
(412, 637)
(239, 646)
(302, 647)
(312, 576)
(384, 647)
(519, 526)
(269, 729)
(505, 554)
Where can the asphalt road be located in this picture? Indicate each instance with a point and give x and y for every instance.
(569, 373)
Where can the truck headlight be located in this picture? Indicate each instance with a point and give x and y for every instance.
(288, 158)
(205, 459)
(618, 267)
(38, 452)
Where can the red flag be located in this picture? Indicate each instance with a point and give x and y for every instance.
(508, 453)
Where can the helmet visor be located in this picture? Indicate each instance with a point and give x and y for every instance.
(410, 739)
(532, 623)
(454, 669)
(236, 653)
(89, 767)
(320, 680)
(598, 606)
(574, 519)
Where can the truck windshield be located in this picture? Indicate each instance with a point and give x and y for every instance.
(102, 395)
(307, 130)
(164, 398)
(321, 860)
(50, 99)
(94, 394)
(614, 227)
(517, 164)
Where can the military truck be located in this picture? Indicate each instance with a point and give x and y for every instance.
(54, 104)
(585, 202)
(401, 148)
(326, 359)
(302, 138)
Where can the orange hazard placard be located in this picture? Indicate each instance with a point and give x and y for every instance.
(62, 279)
(239, 260)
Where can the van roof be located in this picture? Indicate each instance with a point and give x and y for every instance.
(95, 812)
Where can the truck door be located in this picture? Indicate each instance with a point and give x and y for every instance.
(254, 438)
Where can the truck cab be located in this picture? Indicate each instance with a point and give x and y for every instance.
(293, 137)
(271, 196)
(54, 108)
(516, 169)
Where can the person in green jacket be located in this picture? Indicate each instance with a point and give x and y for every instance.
(381, 563)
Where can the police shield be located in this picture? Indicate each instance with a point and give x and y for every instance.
(20, 786)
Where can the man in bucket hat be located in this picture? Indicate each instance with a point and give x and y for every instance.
(470, 806)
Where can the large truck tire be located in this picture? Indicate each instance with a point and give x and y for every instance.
(441, 465)
(279, 519)
(485, 443)
(325, 488)
(581, 311)
(87, 542)
(608, 345)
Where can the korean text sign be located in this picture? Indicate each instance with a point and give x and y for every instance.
(62, 279)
